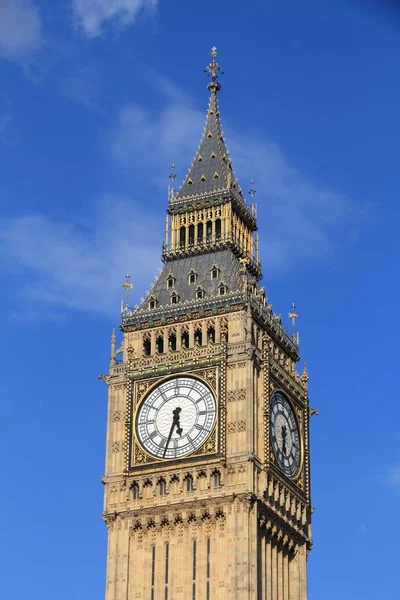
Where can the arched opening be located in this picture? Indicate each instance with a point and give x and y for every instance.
(182, 237)
(147, 346)
(200, 233)
(185, 339)
(162, 487)
(189, 483)
(191, 235)
(211, 334)
(172, 341)
(198, 336)
(160, 344)
(218, 229)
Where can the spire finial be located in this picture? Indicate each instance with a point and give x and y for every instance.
(127, 285)
(212, 70)
(252, 190)
(172, 178)
(293, 316)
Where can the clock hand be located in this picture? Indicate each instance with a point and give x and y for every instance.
(284, 434)
(175, 421)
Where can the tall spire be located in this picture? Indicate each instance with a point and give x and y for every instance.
(211, 170)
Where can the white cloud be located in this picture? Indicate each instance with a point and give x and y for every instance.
(20, 28)
(91, 15)
(299, 219)
(81, 265)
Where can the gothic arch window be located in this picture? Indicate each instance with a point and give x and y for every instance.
(174, 299)
(172, 341)
(160, 344)
(185, 339)
(198, 336)
(189, 483)
(135, 490)
(147, 346)
(211, 334)
(216, 479)
(162, 487)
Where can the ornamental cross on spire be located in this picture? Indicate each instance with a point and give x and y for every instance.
(212, 71)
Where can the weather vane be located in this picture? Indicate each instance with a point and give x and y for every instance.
(127, 285)
(293, 316)
(212, 70)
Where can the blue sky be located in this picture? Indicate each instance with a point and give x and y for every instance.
(97, 98)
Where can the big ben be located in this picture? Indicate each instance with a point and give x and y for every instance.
(207, 479)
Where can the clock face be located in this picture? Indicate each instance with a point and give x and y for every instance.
(285, 435)
(176, 417)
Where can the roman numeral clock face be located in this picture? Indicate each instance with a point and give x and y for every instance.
(175, 418)
(285, 435)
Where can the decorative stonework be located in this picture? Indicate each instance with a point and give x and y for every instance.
(237, 395)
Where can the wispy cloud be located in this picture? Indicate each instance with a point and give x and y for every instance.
(393, 477)
(92, 15)
(299, 219)
(80, 265)
(20, 28)
(84, 86)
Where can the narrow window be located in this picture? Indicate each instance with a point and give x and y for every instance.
(147, 347)
(217, 479)
(192, 277)
(182, 237)
(189, 483)
(200, 294)
(162, 487)
(166, 571)
(211, 334)
(218, 229)
(153, 570)
(160, 344)
(152, 304)
(200, 233)
(214, 273)
(135, 491)
(208, 570)
(170, 283)
(209, 231)
(194, 570)
(174, 299)
(191, 235)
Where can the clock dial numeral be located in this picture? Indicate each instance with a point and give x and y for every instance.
(176, 418)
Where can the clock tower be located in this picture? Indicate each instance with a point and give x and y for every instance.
(207, 480)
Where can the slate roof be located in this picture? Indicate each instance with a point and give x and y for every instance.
(201, 264)
(211, 169)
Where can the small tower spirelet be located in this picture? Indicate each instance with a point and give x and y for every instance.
(293, 316)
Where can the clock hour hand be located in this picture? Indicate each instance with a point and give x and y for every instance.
(175, 422)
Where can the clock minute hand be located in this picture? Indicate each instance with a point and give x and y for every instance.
(175, 421)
